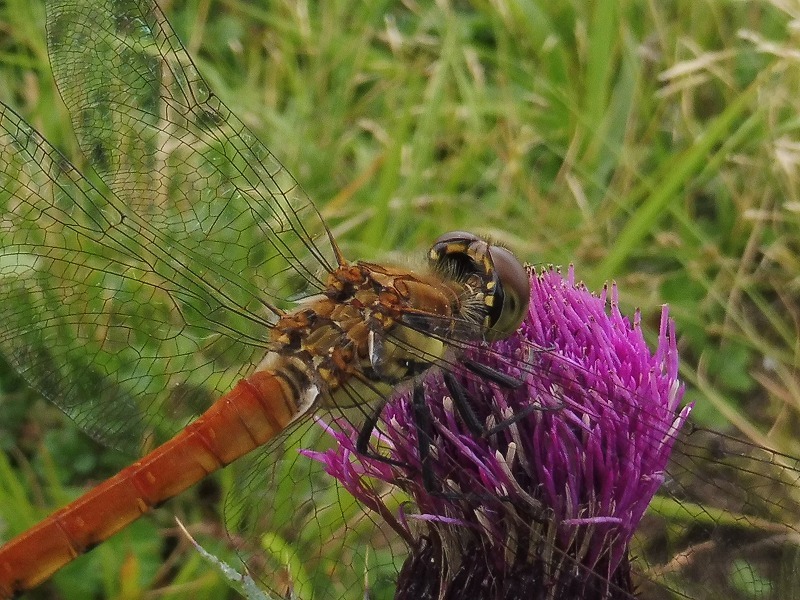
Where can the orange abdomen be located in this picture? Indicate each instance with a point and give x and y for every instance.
(255, 411)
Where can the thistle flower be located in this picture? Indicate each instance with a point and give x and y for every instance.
(546, 503)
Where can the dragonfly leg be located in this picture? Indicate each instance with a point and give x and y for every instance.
(464, 406)
(365, 433)
(424, 422)
(502, 379)
(424, 430)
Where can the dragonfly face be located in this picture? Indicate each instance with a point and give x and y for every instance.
(496, 280)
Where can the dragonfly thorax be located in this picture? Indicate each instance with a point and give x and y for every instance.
(353, 342)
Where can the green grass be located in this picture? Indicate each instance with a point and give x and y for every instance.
(648, 143)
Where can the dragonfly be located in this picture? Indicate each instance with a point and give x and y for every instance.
(128, 262)
(194, 265)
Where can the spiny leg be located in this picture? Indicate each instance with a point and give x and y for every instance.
(424, 429)
(424, 425)
(464, 406)
(365, 433)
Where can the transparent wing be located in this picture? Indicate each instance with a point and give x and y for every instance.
(174, 155)
(132, 299)
(725, 522)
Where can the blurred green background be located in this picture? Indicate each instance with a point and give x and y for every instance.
(650, 143)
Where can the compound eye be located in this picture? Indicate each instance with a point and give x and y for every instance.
(516, 291)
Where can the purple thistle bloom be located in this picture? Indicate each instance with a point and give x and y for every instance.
(546, 504)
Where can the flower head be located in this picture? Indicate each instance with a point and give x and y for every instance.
(548, 496)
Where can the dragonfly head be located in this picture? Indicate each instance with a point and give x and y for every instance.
(490, 273)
